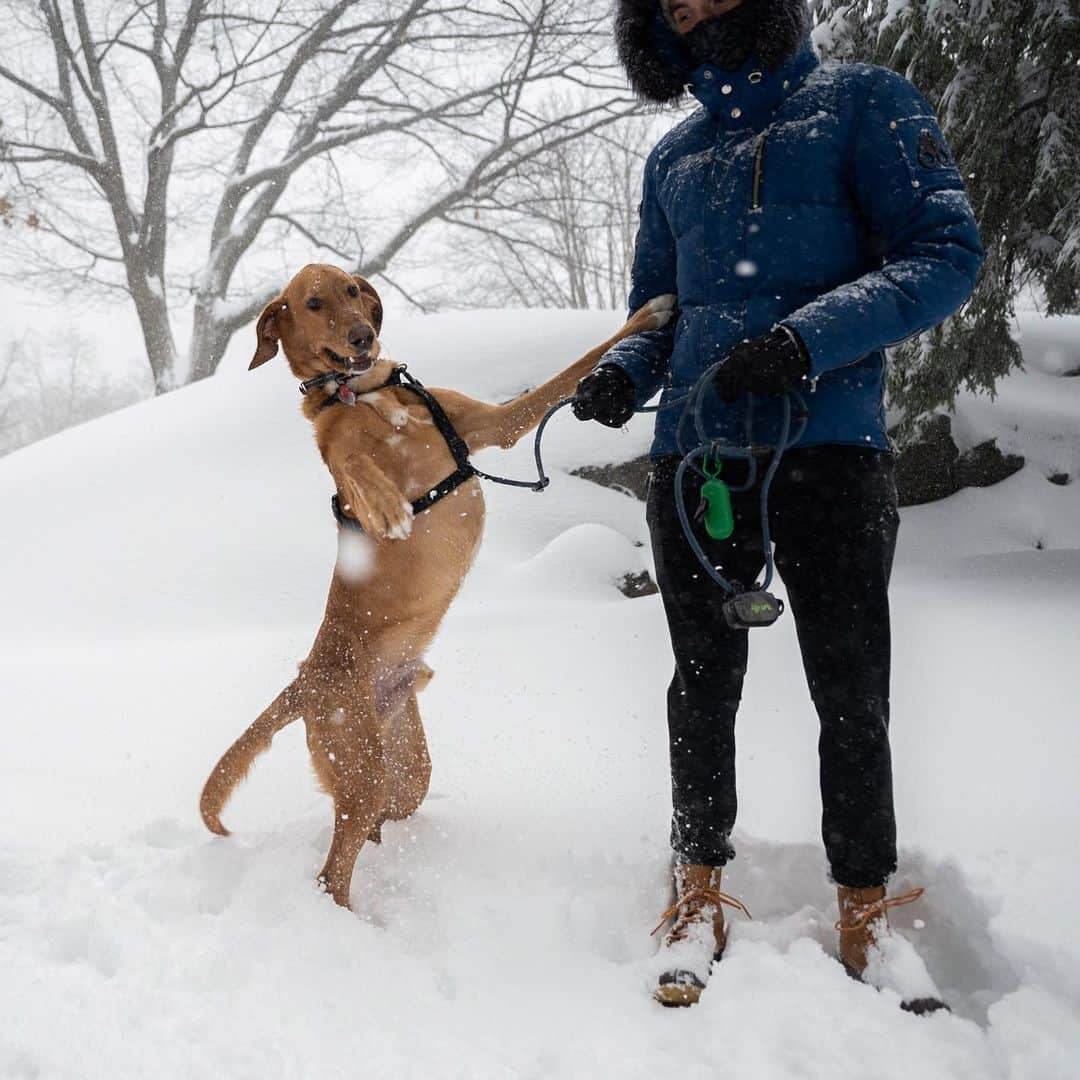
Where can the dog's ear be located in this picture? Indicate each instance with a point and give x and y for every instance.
(374, 303)
(268, 332)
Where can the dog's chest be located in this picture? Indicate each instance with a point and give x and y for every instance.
(394, 412)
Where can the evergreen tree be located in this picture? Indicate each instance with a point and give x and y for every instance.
(1004, 79)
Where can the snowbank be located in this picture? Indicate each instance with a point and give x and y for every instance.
(166, 568)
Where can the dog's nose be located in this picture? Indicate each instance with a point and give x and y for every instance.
(361, 337)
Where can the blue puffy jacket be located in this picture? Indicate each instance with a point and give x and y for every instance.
(818, 195)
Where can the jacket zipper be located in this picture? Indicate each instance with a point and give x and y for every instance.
(759, 155)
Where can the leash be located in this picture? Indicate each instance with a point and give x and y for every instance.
(457, 444)
(746, 607)
(753, 606)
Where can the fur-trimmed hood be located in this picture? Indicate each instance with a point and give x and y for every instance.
(656, 62)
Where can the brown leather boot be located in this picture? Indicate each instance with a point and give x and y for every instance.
(696, 938)
(863, 926)
(863, 919)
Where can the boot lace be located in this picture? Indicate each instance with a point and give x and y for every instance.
(866, 912)
(697, 899)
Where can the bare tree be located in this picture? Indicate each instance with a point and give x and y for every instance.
(149, 144)
(560, 231)
(44, 389)
(7, 413)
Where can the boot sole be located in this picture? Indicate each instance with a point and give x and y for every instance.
(916, 1006)
(924, 1006)
(673, 996)
(677, 997)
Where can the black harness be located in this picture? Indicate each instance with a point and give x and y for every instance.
(465, 470)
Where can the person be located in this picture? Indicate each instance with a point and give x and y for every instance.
(807, 216)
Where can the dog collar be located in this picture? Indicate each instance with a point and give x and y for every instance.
(343, 392)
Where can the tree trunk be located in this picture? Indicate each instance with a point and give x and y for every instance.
(153, 312)
(209, 340)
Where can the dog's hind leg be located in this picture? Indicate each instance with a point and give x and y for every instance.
(371, 757)
(354, 819)
(348, 754)
(408, 764)
(238, 759)
(406, 758)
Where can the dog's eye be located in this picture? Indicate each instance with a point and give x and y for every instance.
(354, 290)
(314, 303)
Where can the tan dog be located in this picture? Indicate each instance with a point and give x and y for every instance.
(356, 691)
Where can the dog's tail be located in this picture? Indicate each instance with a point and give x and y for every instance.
(238, 759)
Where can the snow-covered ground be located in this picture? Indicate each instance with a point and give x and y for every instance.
(165, 568)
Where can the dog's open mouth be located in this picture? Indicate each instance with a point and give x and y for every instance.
(354, 365)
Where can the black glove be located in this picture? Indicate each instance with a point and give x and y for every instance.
(607, 395)
(770, 364)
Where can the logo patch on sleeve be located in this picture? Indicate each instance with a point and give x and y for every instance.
(932, 152)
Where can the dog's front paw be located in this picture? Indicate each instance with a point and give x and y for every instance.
(652, 315)
(663, 308)
(380, 509)
(399, 519)
(394, 516)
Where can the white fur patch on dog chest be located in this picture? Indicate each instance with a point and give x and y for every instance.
(390, 409)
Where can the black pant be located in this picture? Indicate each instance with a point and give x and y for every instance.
(833, 517)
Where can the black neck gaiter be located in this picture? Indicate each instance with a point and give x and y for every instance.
(724, 40)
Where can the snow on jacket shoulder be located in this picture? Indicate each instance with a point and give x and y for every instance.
(823, 196)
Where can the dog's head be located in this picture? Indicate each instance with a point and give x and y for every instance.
(325, 320)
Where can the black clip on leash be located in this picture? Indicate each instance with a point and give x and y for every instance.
(542, 479)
